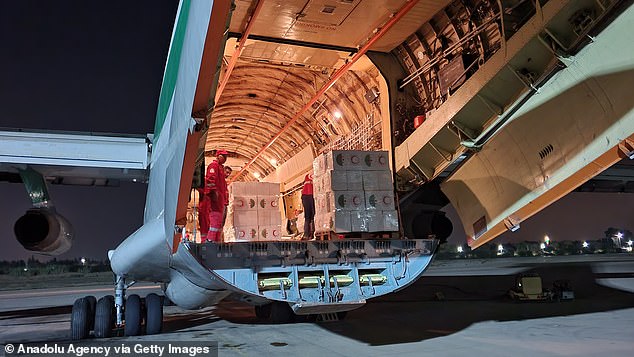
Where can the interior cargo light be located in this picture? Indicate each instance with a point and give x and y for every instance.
(337, 114)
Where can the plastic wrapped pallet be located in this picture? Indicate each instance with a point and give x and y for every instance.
(368, 191)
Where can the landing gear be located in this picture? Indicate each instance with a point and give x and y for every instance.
(154, 318)
(104, 317)
(133, 315)
(92, 303)
(80, 319)
(110, 314)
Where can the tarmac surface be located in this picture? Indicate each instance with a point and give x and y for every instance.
(457, 308)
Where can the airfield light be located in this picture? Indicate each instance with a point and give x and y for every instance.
(585, 244)
(629, 242)
(337, 114)
(460, 249)
(619, 235)
(542, 246)
(500, 249)
(83, 261)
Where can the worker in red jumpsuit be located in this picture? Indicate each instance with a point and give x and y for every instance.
(228, 171)
(203, 214)
(215, 191)
(308, 202)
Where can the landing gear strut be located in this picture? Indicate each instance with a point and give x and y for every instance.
(110, 313)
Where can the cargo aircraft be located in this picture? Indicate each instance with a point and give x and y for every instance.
(497, 107)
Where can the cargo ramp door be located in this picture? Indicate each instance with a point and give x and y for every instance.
(316, 276)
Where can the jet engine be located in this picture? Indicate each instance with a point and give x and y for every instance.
(44, 230)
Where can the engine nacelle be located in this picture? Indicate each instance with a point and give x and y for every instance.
(45, 231)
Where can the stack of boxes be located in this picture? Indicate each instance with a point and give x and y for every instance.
(253, 213)
(354, 192)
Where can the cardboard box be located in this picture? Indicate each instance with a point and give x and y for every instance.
(270, 233)
(374, 180)
(269, 218)
(254, 188)
(341, 160)
(323, 203)
(358, 221)
(243, 203)
(339, 222)
(355, 161)
(319, 165)
(379, 200)
(390, 221)
(335, 160)
(334, 181)
(268, 202)
(345, 200)
(243, 218)
(355, 180)
(375, 221)
(376, 160)
(246, 234)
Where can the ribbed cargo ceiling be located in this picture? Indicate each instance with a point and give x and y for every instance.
(272, 80)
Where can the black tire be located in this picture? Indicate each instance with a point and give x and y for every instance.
(281, 313)
(154, 318)
(80, 319)
(263, 311)
(104, 317)
(92, 303)
(133, 315)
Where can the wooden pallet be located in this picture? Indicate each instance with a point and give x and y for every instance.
(356, 235)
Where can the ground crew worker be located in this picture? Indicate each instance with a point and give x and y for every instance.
(308, 202)
(215, 192)
(203, 213)
(228, 171)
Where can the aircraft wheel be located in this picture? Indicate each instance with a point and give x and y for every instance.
(154, 318)
(80, 319)
(281, 313)
(133, 315)
(263, 311)
(92, 303)
(104, 317)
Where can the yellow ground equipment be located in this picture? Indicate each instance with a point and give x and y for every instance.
(529, 288)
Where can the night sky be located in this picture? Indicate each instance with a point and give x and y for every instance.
(97, 66)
